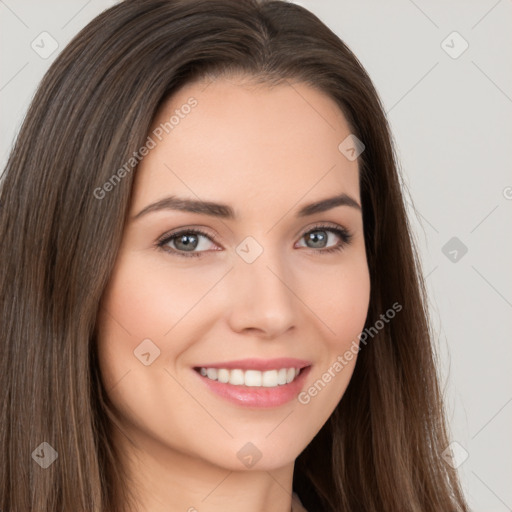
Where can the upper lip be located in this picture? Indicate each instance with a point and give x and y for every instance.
(259, 364)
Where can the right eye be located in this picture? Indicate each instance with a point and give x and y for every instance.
(184, 242)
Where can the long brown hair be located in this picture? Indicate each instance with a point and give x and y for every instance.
(381, 448)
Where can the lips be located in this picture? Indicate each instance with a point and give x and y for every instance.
(255, 382)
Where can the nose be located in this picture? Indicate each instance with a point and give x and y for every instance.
(262, 297)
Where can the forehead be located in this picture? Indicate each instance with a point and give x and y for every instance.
(235, 142)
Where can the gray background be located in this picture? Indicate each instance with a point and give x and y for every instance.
(451, 119)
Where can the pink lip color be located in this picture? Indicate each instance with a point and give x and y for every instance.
(259, 397)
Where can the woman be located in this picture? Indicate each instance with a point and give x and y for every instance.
(210, 294)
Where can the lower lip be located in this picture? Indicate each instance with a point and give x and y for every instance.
(248, 396)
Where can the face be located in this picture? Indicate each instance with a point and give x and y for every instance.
(223, 328)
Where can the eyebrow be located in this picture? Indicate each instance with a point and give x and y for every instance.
(225, 211)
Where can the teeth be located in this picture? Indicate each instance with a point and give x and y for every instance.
(236, 377)
(251, 378)
(281, 376)
(223, 376)
(211, 373)
(269, 379)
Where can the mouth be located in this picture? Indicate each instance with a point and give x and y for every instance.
(255, 383)
(251, 378)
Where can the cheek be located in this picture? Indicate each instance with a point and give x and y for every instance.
(140, 305)
(145, 299)
(142, 299)
(341, 305)
(340, 302)
(133, 310)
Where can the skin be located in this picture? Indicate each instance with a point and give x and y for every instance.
(266, 152)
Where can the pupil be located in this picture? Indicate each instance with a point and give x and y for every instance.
(315, 238)
(186, 244)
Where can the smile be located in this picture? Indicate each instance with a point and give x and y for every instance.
(251, 378)
(255, 383)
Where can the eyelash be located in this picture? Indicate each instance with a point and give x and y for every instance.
(343, 233)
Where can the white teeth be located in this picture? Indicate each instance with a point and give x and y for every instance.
(251, 378)
(281, 376)
(211, 373)
(223, 375)
(236, 377)
(269, 379)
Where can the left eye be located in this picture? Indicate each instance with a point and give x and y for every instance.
(186, 241)
(319, 235)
